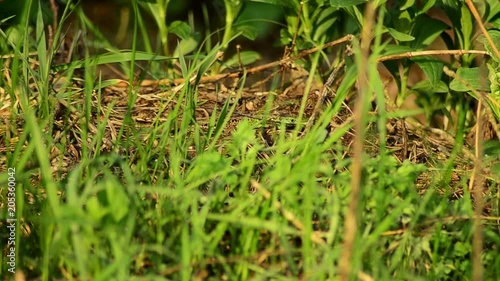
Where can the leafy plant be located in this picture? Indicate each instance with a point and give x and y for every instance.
(189, 39)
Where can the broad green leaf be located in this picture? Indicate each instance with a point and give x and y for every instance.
(496, 23)
(426, 31)
(326, 14)
(392, 49)
(494, 77)
(492, 147)
(186, 46)
(248, 31)
(346, 3)
(208, 165)
(403, 22)
(495, 36)
(243, 136)
(181, 29)
(285, 37)
(324, 23)
(246, 57)
(95, 210)
(493, 8)
(355, 13)
(473, 77)
(428, 4)
(400, 36)
(433, 68)
(407, 4)
(304, 45)
(425, 86)
(466, 27)
(117, 199)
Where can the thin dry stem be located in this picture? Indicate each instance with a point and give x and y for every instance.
(257, 69)
(351, 219)
(477, 184)
(476, 15)
(408, 55)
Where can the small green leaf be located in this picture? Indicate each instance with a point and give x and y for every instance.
(346, 3)
(492, 148)
(181, 29)
(186, 46)
(285, 37)
(407, 4)
(208, 165)
(324, 23)
(493, 11)
(400, 36)
(392, 49)
(117, 199)
(473, 77)
(495, 37)
(496, 23)
(95, 209)
(461, 249)
(426, 31)
(403, 22)
(427, 87)
(428, 4)
(247, 57)
(433, 68)
(248, 31)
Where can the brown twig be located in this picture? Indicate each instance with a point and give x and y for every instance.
(409, 55)
(476, 15)
(55, 14)
(257, 69)
(238, 51)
